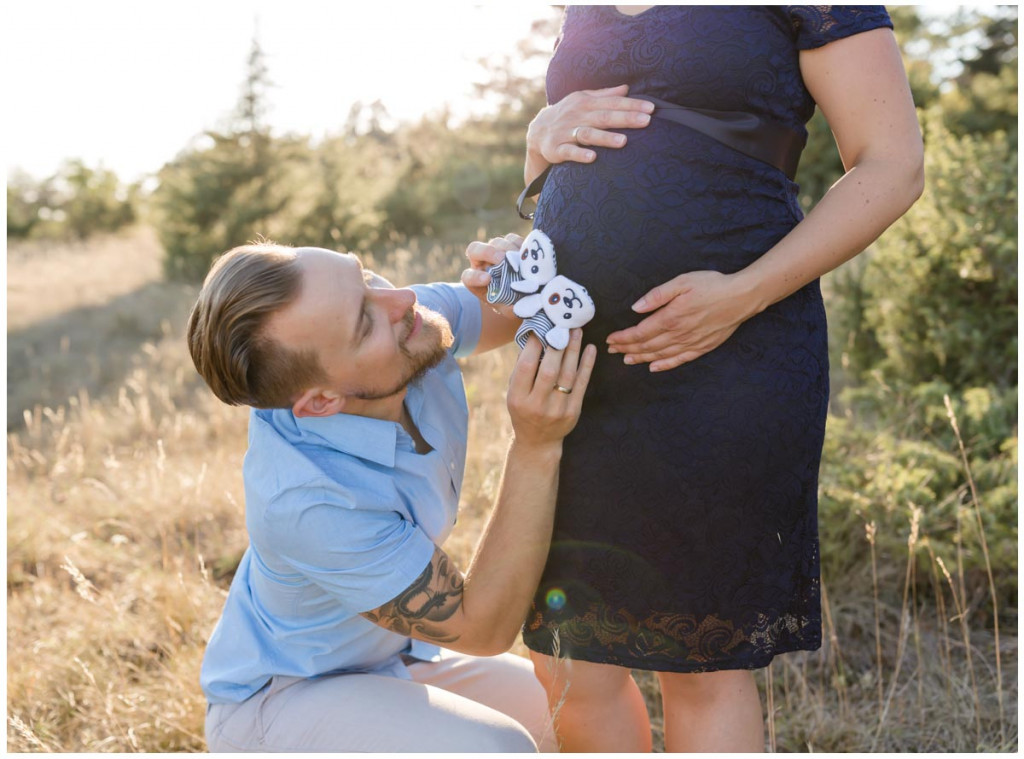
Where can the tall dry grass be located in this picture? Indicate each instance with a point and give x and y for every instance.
(125, 523)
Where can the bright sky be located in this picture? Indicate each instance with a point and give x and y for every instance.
(129, 83)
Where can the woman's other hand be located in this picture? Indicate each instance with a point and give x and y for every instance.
(566, 130)
(690, 315)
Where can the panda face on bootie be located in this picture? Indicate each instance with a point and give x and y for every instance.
(566, 304)
(534, 262)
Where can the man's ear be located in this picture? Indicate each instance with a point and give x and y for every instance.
(318, 402)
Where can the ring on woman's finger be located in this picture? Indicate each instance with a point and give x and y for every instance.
(561, 389)
(576, 135)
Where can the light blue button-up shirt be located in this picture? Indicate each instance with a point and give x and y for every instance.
(342, 515)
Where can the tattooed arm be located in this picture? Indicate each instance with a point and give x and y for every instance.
(481, 612)
(423, 609)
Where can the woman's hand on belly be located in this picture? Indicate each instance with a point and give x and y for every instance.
(566, 130)
(690, 315)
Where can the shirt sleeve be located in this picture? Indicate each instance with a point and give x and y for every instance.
(364, 557)
(817, 25)
(460, 307)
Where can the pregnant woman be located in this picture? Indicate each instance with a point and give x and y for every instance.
(686, 534)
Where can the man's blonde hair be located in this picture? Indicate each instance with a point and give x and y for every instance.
(226, 335)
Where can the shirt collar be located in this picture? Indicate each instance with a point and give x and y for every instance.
(361, 436)
(365, 437)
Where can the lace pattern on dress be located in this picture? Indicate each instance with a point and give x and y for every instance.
(817, 25)
(675, 642)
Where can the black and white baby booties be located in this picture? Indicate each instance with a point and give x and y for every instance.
(548, 303)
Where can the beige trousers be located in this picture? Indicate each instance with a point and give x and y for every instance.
(459, 704)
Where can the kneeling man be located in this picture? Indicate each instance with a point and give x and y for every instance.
(347, 628)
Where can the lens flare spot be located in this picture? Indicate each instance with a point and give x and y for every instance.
(555, 599)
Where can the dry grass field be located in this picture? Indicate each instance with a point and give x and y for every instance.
(125, 522)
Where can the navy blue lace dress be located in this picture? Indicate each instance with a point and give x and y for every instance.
(686, 529)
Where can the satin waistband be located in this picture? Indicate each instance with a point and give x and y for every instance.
(770, 142)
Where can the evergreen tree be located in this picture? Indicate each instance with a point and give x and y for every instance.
(223, 190)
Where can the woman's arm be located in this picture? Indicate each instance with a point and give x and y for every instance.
(861, 87)
(862, 90)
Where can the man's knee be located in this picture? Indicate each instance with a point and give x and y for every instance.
(508, 737)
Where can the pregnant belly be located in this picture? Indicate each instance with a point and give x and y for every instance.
(671, 201)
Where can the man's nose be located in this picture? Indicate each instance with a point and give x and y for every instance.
(398, 302)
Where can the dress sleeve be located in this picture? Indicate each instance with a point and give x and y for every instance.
(817, 25)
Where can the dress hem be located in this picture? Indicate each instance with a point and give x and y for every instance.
(673, 665)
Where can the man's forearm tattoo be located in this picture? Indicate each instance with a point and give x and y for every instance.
(433, 597)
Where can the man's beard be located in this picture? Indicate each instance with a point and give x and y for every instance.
(425, 359)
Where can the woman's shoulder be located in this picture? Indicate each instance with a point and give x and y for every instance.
(817, 25)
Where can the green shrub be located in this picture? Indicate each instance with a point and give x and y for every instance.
(938, 294)
(895, 450)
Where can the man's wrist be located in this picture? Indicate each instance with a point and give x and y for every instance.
(538, 452)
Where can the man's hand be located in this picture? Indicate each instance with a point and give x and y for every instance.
(545, 395)
(482, 256)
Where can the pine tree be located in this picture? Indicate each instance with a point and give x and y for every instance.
(225, 188)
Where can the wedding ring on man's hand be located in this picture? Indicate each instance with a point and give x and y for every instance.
(561, 389)
(576, 135)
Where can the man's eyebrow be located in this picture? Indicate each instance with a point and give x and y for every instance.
(359, 330)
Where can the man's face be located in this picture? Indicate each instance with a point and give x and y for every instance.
(371, 338)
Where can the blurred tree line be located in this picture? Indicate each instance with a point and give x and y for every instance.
(930, 311)
(364, 185)
(75, 203)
